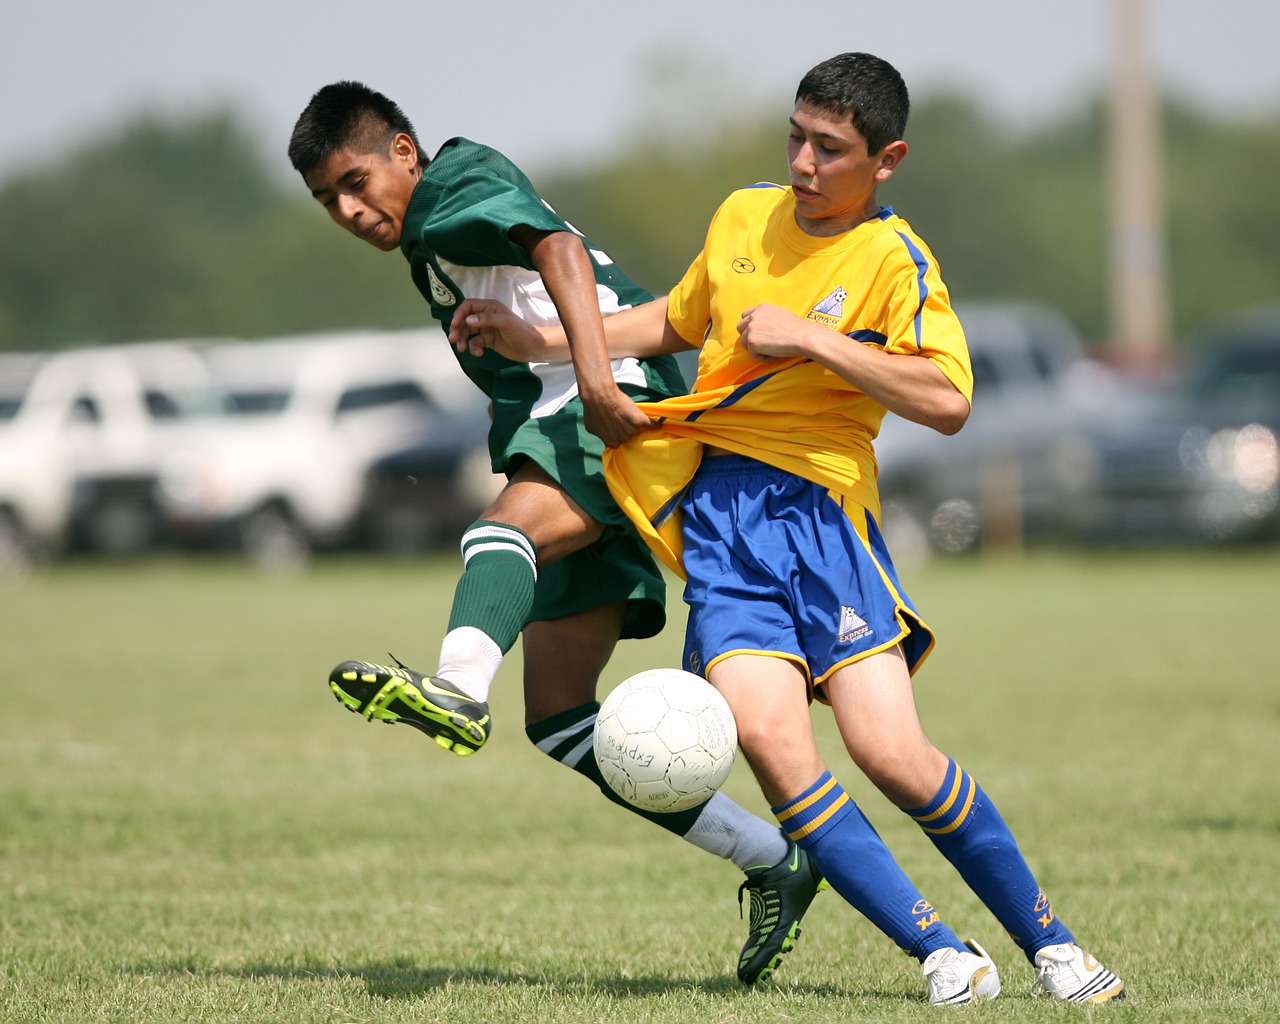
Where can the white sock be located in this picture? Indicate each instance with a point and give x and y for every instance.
(732, 832)
(469, 659)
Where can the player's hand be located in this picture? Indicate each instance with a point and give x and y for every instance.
(482, 324)
(613, 417)
(772, 332)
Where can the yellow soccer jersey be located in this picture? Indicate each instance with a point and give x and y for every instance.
(877, 284)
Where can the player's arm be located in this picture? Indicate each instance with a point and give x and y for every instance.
(639, 331)
(566, 270)
(912, 386)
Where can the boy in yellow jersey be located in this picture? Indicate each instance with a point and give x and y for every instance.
(817, 310)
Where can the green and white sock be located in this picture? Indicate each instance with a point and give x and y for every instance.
(469, 660)
(718, 826)
(491, 603)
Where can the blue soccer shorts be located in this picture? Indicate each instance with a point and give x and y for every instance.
(779, 566)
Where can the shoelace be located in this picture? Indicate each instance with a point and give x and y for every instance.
(948, 972)
(1049, 969)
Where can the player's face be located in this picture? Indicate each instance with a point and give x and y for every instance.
(368, 193)
(833, 176)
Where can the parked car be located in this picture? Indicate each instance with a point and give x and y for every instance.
(426, 494)
(1014, 471)
(81, 446)
(31, 504)
(1205, 465)
(288, 471)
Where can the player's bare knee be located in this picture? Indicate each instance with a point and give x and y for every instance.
(907, 776)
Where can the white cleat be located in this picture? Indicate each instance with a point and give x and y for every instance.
(1069, 973)
(956, 977)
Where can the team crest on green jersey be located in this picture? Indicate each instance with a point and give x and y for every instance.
(440, 292)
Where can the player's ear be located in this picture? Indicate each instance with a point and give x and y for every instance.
(404, 150)
(892, 155)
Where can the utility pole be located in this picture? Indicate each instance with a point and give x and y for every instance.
(1140, 331)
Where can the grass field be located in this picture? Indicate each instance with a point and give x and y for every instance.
(191, 829)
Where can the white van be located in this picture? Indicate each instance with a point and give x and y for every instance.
(287, 472)
(80, 448)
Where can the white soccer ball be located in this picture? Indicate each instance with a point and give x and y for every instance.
(665, 740)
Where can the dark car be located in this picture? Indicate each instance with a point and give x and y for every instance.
(1015, 470)
(425, 494)
(1205, 466)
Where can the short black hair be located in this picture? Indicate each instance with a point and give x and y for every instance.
(347, 115)
(865, 88)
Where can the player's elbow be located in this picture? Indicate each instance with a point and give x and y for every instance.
(950, 414)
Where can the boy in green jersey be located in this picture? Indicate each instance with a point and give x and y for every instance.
(553, 556)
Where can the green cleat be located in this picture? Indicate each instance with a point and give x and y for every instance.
(450, 717)
(779, 897)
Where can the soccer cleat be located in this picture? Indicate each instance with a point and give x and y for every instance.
(779, 897)
(1068, 972)
(956, 977)
(450, 717)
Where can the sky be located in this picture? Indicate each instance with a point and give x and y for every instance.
(555, 82)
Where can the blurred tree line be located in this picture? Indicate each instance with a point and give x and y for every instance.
(186, 227)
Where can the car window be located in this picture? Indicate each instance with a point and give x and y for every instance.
(85, 410)
(1248, 378)
(161, 406)
(184, 404)
(371, 396)
(986, 378)
(1043, 363)
(258, 401)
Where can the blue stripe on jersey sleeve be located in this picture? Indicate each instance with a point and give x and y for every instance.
(869, 336)
(922, 267)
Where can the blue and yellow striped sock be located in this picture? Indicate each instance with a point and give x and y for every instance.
(854, 859)
(968, 830)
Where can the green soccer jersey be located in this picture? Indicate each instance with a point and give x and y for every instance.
(456, 239)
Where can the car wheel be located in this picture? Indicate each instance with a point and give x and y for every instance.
(905, 530)
(17, 553)
(272, 539)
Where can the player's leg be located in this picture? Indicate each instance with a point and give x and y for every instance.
(744, 536)
(585, 603)
(875, 709)
(533, 522)
(769, 698)
(563, 661)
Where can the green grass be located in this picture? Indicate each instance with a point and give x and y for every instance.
(192, 829)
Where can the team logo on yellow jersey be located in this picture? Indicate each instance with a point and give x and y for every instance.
(742, 265)
(830, 311)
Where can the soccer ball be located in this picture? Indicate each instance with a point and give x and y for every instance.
(665, 740)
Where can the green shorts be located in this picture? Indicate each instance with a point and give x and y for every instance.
(617, 567)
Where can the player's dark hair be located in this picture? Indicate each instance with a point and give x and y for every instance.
(865, 88)
(347, 115)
